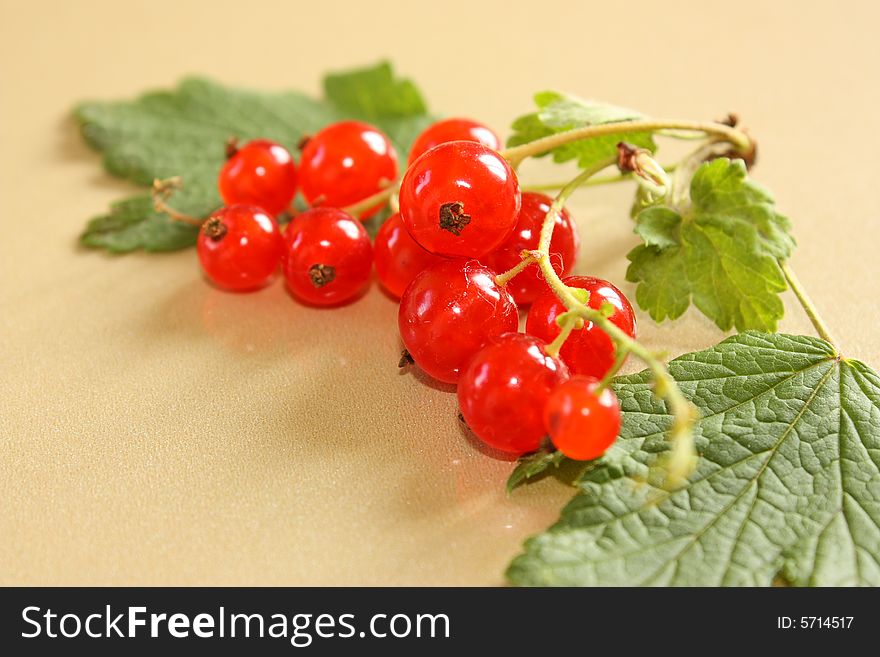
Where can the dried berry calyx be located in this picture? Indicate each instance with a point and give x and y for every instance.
(231, 147)
(215, 229)
(453, 217)
(321, 274)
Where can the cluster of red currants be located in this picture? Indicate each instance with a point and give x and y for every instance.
(324, 252)
(463, 220)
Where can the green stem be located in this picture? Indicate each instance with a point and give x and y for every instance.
(542, 253)
(517, 154)
(615, 368)
(567, 327)
(559, 203)
(504, 278)
(598, 180)
(681, 460)
(162, 191)
(380, 197)
(807, 304)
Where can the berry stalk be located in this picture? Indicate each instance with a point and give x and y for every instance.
(680, 462)
(739, 139)
(611, 373)
(162, 191)
(569, 324)
(383, 195)
(595, 181)
(528, 258)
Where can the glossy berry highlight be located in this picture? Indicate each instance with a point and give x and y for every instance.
(397, 256)
(239, 247)
(529, 284)
(345, 163)
(455, 129)
(460, 199)
(582, 422)
(589, 350)
(503, 391)
(449, 312)
(328, 257)
(260, 173)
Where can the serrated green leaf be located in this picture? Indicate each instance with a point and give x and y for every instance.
(720, 252)
(730, 283)
(668, 294)
(183, 133)
(788, 480)
(723, 190)
(374, 94)
(659, 227)
(531, 465)
(132, 224)
(560, 112)
(565, 111)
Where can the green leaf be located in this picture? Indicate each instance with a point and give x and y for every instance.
(660, 227)
(547, 461)
(722, 189)
(374, 94)
(788, 480)
(668, 295)
(560, 112)
(183, 133)
(720, 252)
(532, 465)
(132, 224)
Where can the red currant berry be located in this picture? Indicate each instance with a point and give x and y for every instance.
(240, 247)
(453, 130)
(528, 285)
(460, 199)
(260, 173)
(345, 163)
(503, 391)
(398, 257)
(329, 257)
(582, 423)
(449, 312)
(588, 350)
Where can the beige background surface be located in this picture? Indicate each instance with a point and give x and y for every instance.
(156, 431)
